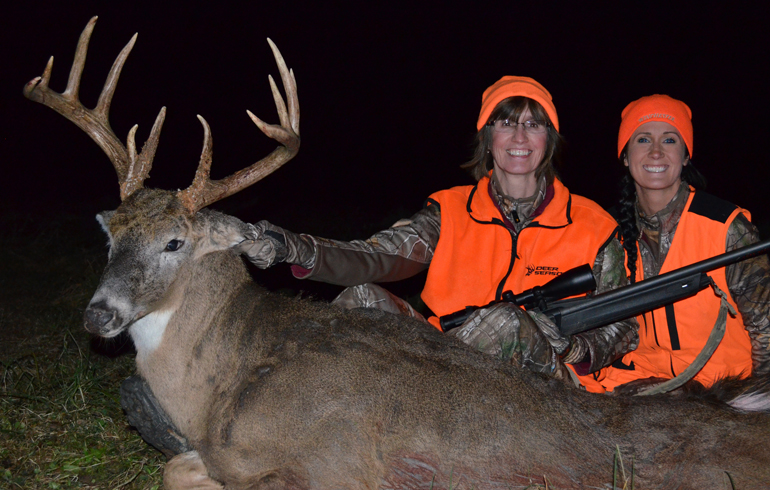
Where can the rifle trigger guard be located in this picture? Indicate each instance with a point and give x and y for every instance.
(539, 298)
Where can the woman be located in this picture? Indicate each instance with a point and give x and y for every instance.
(667, 222)
(515, 229)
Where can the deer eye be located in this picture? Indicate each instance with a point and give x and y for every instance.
(174, 245)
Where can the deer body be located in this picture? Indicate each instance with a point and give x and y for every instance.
(274, 392)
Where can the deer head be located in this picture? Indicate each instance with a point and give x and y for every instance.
(154, 234)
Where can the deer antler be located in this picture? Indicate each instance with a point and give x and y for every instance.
(132, 168)
(204, 191)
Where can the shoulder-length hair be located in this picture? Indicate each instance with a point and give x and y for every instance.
(512, 108)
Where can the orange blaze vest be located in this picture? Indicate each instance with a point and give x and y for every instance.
(671, 337)
(477, 259)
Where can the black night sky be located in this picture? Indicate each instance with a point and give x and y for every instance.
(389, 95)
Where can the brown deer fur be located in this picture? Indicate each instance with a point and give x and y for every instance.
(275, 392)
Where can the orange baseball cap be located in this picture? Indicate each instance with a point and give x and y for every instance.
(511, 87)
(655, 108)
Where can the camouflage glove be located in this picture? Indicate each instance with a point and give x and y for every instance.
(570, 350)
(508, 332)
(267, 244)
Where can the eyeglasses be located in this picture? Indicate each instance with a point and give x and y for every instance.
(509, 126)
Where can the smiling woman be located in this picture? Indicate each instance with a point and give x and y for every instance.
(655, 158)
(669, 222)
(478, 241)
(518, 148)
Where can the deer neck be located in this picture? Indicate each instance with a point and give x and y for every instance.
(147, 332)
(173, 342)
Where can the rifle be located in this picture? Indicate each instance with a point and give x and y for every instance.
(576, 315)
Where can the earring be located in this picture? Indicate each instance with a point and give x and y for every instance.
(489, 151)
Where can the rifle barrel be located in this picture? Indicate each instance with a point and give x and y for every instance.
(716, 262)
(707, 265)
(677, 284)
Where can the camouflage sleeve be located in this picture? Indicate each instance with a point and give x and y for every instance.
(401, 251)
(749, 285)
(595, 349)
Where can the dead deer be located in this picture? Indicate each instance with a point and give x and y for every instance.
(278, 392)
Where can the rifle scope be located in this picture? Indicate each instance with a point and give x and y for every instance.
(573, 282)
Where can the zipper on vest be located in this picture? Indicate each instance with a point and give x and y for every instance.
(654, 329)
(514, 242)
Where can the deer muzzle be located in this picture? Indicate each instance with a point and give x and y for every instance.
(100, 319)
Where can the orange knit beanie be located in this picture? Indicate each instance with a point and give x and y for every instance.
(512, 87)
(655, 108)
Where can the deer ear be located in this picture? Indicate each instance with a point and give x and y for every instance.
(104, 220)
(224, 231)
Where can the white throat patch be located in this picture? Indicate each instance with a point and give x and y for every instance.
(147, 332)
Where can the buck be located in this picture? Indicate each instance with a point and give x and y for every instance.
(279, 392)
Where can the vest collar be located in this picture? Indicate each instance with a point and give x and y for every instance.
(666, 219)
(556, 214)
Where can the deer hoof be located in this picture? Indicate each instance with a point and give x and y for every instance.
(186, 471)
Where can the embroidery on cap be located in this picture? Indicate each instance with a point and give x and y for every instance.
(659, 116)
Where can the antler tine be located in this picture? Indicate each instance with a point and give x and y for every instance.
(72, 92)
(290, 84)
(132, 169)
(197, 191)
(141, 164)
(105, 98)
(205, 191)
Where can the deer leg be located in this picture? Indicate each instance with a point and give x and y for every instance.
(146, 415)
(373, 296)
(187, 472)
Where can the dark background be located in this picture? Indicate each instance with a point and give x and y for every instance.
(389, 96)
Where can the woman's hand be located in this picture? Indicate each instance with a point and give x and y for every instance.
(264, 246)
(506, 331)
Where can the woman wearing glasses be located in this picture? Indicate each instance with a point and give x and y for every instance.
(517, 228)
(668, 222)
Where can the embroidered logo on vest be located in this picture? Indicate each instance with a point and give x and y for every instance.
(542, 270)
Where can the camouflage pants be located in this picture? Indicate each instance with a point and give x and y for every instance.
(503, 330)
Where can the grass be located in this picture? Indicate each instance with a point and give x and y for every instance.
(619, 476)
(61, 425)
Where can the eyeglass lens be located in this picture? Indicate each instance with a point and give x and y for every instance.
(509, 126)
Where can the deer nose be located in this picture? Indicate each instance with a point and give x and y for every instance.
(97, 316)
